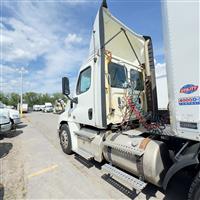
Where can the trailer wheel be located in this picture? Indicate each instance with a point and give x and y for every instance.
(65, 139)
(194, 192)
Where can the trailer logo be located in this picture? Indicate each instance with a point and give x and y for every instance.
(189, 88)
(189, 101)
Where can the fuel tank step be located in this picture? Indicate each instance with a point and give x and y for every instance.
(132, 181)
(84, 154)
(124, 148)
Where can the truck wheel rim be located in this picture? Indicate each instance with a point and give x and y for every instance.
(64, 139)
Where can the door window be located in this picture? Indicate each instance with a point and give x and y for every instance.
(117, 75)
(136, 78)
(84, 81)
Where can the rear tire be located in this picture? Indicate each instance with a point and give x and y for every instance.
(194, 192)
(65, 139)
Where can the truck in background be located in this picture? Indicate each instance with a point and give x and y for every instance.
(59, 106)
(48, 107)
(24, 107)
(113, 114)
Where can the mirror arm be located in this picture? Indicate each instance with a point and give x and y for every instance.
(74, 100)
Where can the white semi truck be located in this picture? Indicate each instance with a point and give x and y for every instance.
(113, 114)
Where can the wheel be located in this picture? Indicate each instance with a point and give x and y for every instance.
(65, 139)
(194, 192)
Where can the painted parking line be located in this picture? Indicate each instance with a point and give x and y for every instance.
(42, 171)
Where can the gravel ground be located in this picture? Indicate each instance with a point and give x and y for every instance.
(33, 166)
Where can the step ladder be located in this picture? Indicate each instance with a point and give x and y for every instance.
(86, 134)
(84, 154)
(132, 181)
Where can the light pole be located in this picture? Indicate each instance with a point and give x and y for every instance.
(22, 70)
(21, 96)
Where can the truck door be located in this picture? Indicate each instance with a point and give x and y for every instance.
(83, 111)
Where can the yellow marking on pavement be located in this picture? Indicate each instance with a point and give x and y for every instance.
(48, 169)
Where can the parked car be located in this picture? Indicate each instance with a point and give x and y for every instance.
(48, 107)
(5, 123)
(42, 107)
(36, 108)
(13, 115)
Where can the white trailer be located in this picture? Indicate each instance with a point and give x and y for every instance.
(113, 114)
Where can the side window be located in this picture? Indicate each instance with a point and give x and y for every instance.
(84, 81)
(136, 78)
(117, 75)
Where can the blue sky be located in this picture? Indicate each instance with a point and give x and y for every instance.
(50, 39)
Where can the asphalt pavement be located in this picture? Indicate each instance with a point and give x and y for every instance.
(33, 166)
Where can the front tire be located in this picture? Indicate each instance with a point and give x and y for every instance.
(65, 139)
(194, 193)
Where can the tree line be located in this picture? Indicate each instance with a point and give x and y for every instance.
(31, 98)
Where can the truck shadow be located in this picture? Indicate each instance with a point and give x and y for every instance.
(1, 191)
(5, 149)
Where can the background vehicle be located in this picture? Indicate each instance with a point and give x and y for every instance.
(42, 107)
(36, 108)
(13, 115)
(48, 107)
(5, 123)
(59, 106)
(113, 114)
(24, 107)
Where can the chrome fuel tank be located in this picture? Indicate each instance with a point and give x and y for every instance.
(152, 164)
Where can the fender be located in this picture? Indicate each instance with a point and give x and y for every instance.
(185, 161)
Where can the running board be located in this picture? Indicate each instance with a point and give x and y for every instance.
(132, 181)
(84, 154)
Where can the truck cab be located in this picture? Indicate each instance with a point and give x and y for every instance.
(113, 112)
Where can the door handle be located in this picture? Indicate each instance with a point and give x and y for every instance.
(90, 113)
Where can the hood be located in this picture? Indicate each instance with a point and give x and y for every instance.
(13, 113)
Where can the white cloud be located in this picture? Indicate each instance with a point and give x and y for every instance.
(23, 43)
(72, 38)
(38, 29)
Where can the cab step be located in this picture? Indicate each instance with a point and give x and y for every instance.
(132, 181)
(84, 154)
(86, 134)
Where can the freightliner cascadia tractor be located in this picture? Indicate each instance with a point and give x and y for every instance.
(113, 114)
